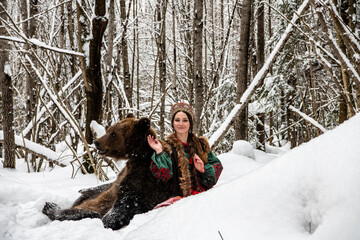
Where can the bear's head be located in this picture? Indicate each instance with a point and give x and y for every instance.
(125, 138)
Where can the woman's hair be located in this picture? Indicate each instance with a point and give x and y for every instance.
(190, 120)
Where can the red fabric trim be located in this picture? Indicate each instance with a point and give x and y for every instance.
(181, 141)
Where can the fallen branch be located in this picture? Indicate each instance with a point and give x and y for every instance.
(36, 149)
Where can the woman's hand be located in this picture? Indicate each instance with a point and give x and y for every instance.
(155, 144)
(198, 163)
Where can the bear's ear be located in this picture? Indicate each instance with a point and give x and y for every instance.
(144, 124)
(130, 115)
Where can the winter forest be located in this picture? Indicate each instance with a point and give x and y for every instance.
(273, 73)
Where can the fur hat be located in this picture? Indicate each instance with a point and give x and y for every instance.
(181, 107)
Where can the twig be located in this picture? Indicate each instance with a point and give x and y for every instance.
(162, 96)
(220, 235)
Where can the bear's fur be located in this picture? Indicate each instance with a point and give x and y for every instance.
(135, 190)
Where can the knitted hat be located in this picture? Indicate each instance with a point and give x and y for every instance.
(181, 107)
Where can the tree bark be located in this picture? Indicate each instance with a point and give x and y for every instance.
(109, 60)
(175, 92)
(242, 73)
(91, 65)
(260, 60)
(29, 28)
(161, 45)
(345, 107)
(137, 60)
(7, 97)
(198, 59)
(124, 53)
(189, 52)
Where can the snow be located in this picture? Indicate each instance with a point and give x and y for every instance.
(310, 192)
(309, 119)
(35, 147)
(243, 148)
(97, 128)
(7, 69)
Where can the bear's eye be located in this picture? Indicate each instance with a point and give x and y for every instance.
(112, 134)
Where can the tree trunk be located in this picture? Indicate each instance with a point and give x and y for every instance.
(137, 61)
(124, 53)
(7, 98)
(260, 60)
(189, 52)
(313, 94)
(109, 60)
(242, 73)
(198, 59)
(161, 44)
(345, 110)
(91, 65)
(73, 66)
(175, 91)
(29, 28)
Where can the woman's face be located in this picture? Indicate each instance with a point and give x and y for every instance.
(181, 123)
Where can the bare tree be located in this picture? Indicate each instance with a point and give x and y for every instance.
(91, 64)
(198, 59)
(29, 28)
(109, 62)
(124, 53)
(161, 6)
(7, 96)
(242, 73)
(260, 60)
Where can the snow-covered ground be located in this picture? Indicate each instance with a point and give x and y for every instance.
(310, 192)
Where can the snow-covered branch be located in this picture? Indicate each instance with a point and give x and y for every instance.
(308, 118)
(36, 149)
(38, 43)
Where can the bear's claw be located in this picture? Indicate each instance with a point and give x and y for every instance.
(50, 210)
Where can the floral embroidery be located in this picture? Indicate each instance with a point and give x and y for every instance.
(218, 169)
(160, 173)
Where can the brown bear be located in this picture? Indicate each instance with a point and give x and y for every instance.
(135, 190)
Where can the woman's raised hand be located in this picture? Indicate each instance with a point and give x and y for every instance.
(155, 144)
(198, 163)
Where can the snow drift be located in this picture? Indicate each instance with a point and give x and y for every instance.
(311, 192)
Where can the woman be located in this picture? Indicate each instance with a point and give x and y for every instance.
(184, 155)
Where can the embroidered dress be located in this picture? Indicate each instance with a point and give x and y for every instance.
(162, 168)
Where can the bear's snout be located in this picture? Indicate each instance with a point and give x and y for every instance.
(100, 150)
